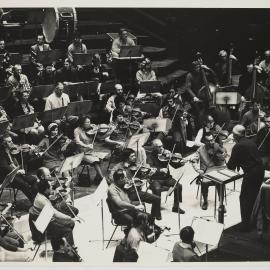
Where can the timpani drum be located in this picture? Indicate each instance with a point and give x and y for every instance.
(59, 23)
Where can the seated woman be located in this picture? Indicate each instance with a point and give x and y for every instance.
(120, 133)
(23, 107)
(57, 148)
(84, 136)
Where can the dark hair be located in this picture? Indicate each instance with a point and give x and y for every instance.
(76, 35)
(206, 120)
(118, 100)
(126, 153)
(140, 218)
(40, 172)
(206, 134)
(187, 234)
(118, 175)
(82, 120)
(121, 30)
(43, 186)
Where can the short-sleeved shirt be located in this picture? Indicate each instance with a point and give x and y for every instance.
(54, 102)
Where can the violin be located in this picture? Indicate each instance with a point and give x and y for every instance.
(138, 183)
(217, 154)
(24, 148)
(143, 170)
(92, 130)
(164, 156)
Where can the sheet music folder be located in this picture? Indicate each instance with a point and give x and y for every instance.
(24, 121)
(130, 51)
(79, 107)
(52, 115)
(42, 91)
(150, 87)
(48, 57)
(82, 88)
(82, 58)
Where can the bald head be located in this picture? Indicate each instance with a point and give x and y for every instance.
(239, 131)
(157, 142)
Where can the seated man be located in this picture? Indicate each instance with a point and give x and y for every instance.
(209, 155)
(123, 210)
(8, 162)
(183, 251)
(76, 46)
(161, 178)
(129, 161)
(122, 40)
(61, 225)
(67, 73)
(59, 201)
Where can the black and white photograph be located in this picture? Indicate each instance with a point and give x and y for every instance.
(134, 135)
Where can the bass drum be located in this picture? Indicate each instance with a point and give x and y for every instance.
(60, 23)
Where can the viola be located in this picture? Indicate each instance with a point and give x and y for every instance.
(143, 170)
(138, 183)
(92, 130)
(164, 156)
(24, 148)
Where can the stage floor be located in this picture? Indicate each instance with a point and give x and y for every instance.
(88, 234)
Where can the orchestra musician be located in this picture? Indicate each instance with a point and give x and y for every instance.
(4, 64)
(245, 154)
(123, 209)
(262, 140)
(209, 126)
(146, 73)
(179, 123)
(46, 76)
(84, 136)
(252, 117)
(58, 201)
(60, 226)
(23, 107)
(129, 166)
(265, 66)
(119, 135)
(66, 73)
(208, 156)
(8, 162)
(53, 148)
(183, 251)
(40, 46)
(122, 40)
(77, 46)
(161, 178)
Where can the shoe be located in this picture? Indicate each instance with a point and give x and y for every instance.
(158, 217)
(224, 209)
(204, 205)
(175, 210)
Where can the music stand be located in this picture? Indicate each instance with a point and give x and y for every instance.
(48, 57)
(228, 98)
(158, 125)
(41, 91)
(81, 88)
(8, 180)
(148, 87)
(79, 107)
(24, 121)
(69, 164)
(15, 58)
(99, 195)
(138, 140)
(3, 127)
(130, 51)
(106, 88)
(82, 59)
(207, 232)
(52, 115)
(42, 223)
(5, 92)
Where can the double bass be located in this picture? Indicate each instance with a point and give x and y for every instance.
(256, 91)
(208, 90)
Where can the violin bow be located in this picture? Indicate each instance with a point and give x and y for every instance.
(72, 212)
(133, 182)
(220, 130)
(98, 127)
(171, 155)
(22, 158)
(49, 147)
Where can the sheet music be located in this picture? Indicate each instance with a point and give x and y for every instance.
(176, 173)
(228, 173)
(44, 218)
(190, 143)
(206, 231)
(217, 175)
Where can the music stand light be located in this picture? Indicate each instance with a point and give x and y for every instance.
(82, 59)
(79, 107)
(228, 98)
